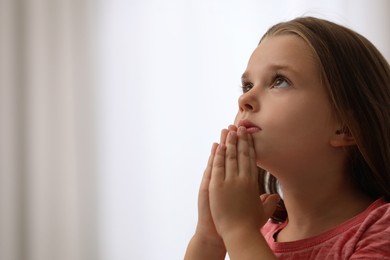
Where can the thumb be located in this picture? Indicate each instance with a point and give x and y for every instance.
(269, 201)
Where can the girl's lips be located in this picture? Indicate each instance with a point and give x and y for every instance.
(250, 127)
(252, 130)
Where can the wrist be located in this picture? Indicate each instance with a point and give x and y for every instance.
(209, 241)
(247, 243)
(203, 248)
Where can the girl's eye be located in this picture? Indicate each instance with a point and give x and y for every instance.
(246, 87)
(280, 82)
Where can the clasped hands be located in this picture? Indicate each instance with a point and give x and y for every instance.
(229, 205)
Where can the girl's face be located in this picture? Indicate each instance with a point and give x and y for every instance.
(284, 97)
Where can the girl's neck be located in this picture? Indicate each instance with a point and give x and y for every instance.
(315, 210)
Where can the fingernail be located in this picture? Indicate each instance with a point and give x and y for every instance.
(214, 147)
(232, 128)
(275, 199)
(242, 130)
(232, 135)
(221, 147)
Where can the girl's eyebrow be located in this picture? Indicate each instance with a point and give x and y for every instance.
(272, 67)
(244, 76)
(283, 67)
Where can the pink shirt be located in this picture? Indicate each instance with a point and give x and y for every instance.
(365, 236)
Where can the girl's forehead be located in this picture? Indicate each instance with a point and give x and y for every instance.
(284, 51)
(284, 46)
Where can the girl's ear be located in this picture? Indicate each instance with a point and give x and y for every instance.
(342, 137)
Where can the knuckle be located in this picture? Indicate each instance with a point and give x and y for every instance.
(218, 164)
(244, 152)
(230, 155)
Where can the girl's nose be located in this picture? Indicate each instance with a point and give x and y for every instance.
(247, 102)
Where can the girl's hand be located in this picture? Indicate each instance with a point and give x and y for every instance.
(205, 226)
(207, 242)
(205, 229)
(234, 200)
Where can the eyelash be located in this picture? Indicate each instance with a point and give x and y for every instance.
(247, 86)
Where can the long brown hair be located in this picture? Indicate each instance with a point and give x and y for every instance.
(357, 77)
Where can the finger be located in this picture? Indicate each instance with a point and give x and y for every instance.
(269, 201)
(267, 198)
(252, 158)
(204, 214)
(224, 134)
(207, 173)
(232, 128)
(218, 166)
(231, 155)
(243, 157)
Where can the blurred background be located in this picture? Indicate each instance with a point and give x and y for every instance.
(108, 110)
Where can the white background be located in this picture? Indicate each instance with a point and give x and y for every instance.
(169, 79)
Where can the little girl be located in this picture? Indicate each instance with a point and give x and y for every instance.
(313, 124)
